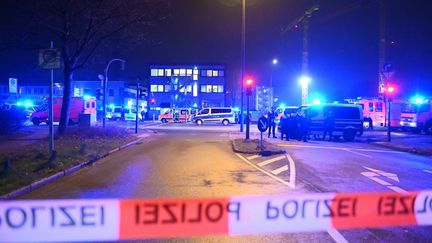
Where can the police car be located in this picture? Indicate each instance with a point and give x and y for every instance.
(215, 115)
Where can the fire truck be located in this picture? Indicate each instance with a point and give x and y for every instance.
(418, 116)
(77, 106)
(177, 115)
(375, 111)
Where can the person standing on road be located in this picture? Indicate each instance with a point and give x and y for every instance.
(284, 125)
(304, 126)
(292, 126)
(329, 125)
(271, 116)
(122, 113)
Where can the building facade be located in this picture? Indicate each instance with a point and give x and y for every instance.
(197, 86)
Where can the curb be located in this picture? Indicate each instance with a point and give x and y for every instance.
(403, 148)
(263, 153)
(58, 175)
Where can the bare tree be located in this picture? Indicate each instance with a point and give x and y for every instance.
(82, 27)
(179, 90)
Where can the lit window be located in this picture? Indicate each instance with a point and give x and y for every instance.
(160, 72)
(153, 88)
(160, 88)
(168, 72)
(215, 89)
(209, 73)
(182, 72)
(195, 77)
(203, 88)
(209, 89)
(154, 72)
(195, 71)
(203, 73)
(195, 89)
(220, 88)
(176, 72)
(221, 73)
(189, 72)
(189, 88)
(215, 73)
(167, 88)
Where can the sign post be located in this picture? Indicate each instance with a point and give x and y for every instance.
(262, 127)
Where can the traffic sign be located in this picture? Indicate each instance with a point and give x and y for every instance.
(49, 58)
(262, 124)
(13, 85)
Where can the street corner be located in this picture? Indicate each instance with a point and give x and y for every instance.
(403, 148)
(252, 146)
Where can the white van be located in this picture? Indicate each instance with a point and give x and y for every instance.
(221, 115)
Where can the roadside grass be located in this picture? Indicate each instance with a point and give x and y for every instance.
(25, 165)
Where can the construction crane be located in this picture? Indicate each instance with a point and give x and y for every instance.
(305, 21)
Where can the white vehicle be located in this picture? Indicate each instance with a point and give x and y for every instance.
(218, 115)
(129, 114)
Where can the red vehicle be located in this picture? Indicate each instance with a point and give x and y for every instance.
(177, 115)
(77, 106)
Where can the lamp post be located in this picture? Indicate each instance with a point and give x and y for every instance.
(274, 63)
(105, 87)
(243, 40)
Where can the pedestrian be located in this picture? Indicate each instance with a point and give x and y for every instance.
(304, 126)
(329, 121)
(271, 117)
(122, 114)
(284, 125)
(143, 115)
(292, 126)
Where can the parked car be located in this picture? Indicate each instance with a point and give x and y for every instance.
(129, 114)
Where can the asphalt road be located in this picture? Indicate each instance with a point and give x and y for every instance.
(187, 161)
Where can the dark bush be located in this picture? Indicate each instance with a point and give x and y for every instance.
(11, 120)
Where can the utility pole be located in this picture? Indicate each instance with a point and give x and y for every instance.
(243, 55)
(50, 109)
(382, 46)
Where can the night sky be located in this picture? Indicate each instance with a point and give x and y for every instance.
(343, 45)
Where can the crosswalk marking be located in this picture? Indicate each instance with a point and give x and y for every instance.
(280, 170)
(269, 161)
(253, 157)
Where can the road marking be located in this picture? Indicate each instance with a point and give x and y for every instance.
(325, 147)
(292, 177)
(383, 173)
(428, 171)
(269, 161)
(358, 153)
(280, 170)
(253, 157)
(265, 172)
(336, 235)
(397, 189)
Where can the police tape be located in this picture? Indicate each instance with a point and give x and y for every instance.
(118, 219)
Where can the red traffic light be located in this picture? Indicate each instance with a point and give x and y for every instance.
(249, 82)
(390, 89)
(152, 101)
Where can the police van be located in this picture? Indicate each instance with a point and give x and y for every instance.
(218, 115)
(348, 119)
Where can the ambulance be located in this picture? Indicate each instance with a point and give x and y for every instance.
(418, 116)
(177, 115)
(77, 106)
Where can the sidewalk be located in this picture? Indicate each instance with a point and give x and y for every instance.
(400, 141)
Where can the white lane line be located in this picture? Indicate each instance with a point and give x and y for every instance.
(292, 178)
(269, 161)
(336, 235)
(265, 172)
(365, 155)
(280, 170)
(397, 189)
(428, 171)
(336, 148)
(379, 181)
(253, 157)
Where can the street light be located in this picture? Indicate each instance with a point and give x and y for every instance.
(274, 62)
(304, 82)
(105, 83)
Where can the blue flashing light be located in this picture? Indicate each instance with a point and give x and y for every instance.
(28, 103)
(316, 102)
(418, 100)
(19, 103)
(86, 97)
(282, 105)
(111, 106)
(236, 108)
(195, 105)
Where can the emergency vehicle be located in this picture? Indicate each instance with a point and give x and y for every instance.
(418, 117)
(77, 106)
(375, 111)
(177, 115)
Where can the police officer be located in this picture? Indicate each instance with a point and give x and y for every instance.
(329, 125)
(304, 126)
(284, 125)
(271, 117)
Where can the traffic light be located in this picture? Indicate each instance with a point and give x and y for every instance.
(152, 101)
(249, 86)
(142, 93)
(389, 91)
